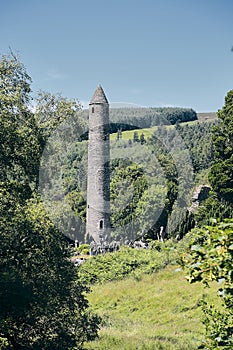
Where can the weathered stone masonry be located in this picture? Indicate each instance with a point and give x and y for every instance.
(98, 183)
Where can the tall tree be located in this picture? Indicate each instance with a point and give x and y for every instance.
(135, 136)
(18, 129)
(221, 174)
(42, 301)
(52, 110)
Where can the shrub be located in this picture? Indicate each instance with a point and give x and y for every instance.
(84, 249)
(211, 260)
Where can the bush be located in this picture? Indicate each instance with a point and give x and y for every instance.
(131, 262)
(211, 260)
(4, 344)
(84, 249)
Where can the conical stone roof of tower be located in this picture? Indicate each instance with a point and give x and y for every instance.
(99, 96)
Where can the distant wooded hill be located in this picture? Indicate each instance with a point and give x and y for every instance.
(135, 118)
(206, 116)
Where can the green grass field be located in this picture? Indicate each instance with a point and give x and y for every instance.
(128, 135)
(159, 312)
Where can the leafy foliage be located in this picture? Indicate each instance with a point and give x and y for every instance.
(4, 344)
(133, 262)
(213, 207)
(167, 160)
(53, 110)
(115, 266)
(43, 305)
(130, 181)
(211, 260)
(42, 302)
(198, 141)
(18, 129)
(221, 174)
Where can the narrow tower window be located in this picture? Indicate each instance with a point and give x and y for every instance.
(93, 110)
(101, 224)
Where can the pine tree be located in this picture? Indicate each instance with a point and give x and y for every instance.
(142, 139)
(135, 136)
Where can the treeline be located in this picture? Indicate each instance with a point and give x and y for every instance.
(114, 128)
(148, 117)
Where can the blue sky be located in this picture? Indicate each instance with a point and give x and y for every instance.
(147, 52)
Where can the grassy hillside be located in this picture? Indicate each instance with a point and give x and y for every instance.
(128, 134)
(157, 312)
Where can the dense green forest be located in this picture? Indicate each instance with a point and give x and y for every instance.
(43, 180)
(139, 118)
(150, 187)
(148, 117)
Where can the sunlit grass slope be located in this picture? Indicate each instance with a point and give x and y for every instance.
(128, 135)
(159, 311)
(148, 132)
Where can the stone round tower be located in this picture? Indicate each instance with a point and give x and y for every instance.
(98, 181)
